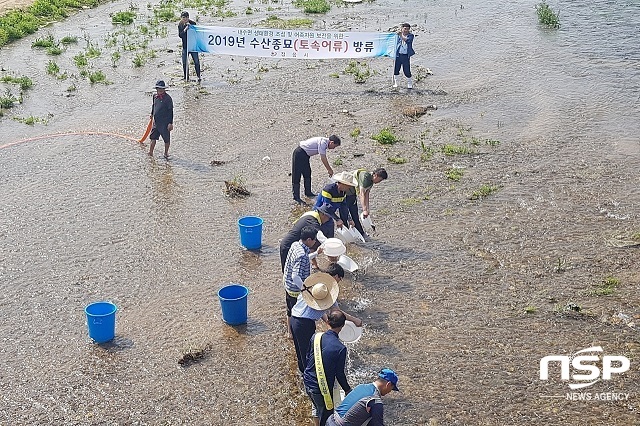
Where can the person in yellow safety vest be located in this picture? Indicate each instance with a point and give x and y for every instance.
(365, 181)
(326, 361)
(334, 194)
(314, 218)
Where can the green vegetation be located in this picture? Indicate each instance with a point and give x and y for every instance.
(274, 21)
(530, 309)
(385, 137)
(8, 100)
(355, 133)
(450, 149)
(24, 82)
(454, 174)
(396, 160)
(54, 50)
(52, 68)
(98, 77)
(69, 40)
(606, 287)
(338, 162)
(31, 120)
(18, 23)
(313, 6)
(360, 71)
(427, 151)
(115, 57)
(124, 17)
(484, 191)
(92, 51)
(546, 16)
(45, 42)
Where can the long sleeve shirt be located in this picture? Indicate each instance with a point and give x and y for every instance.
(334, 357)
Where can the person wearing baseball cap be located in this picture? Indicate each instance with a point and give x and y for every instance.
(364, 402)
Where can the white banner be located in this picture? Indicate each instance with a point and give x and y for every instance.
(293, 44)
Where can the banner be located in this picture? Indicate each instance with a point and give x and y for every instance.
(292, 44)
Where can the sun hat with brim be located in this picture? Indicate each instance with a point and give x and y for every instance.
(334, 247)
(326, 209)
(160, 84)
(320, 291)
(345, 178)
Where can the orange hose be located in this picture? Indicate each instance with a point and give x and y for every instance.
(56, 135)
(146, 132)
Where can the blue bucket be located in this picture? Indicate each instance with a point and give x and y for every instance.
(101, 319)
(233, 300)
(250, 232)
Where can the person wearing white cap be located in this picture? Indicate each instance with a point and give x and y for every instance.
(319, 295)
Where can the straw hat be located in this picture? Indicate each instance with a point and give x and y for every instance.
(334, 247)
(320, 291)
(346, 178)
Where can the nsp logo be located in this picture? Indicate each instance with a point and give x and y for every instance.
(610, 364)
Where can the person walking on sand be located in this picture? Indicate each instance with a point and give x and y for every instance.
(404, 51)
(364, 402)
(365, 181)
(301, 167)
(162, 115)
(183, 26)
(326, 361)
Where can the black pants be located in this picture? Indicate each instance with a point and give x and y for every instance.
(402, 61)
(300, 167)
(352, 204)
(302, 329)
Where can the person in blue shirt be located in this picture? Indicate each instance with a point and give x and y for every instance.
(334, 195)
(364, 402)
(333, 359)
(404, 51)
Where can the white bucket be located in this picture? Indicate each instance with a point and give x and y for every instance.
(345, 235)
(357, 236)
(347, 263)
(350, 333)
(366, 222)
(321, 237)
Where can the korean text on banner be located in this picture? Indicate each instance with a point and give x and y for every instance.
(293, 44)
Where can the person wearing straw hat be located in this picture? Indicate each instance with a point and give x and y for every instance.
(297, 268)
(315, 218)
(326, 361)
(318, 295)
(334, 194)
(162, 114)
(364, 402)
(365, 181)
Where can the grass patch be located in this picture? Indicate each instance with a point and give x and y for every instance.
(31, 120)
(606, 287)
(454, 174)
(54, 50)
(8, 100)
(92, 51)
(98, 77)
(360, 71)
(81, 60)
(18, 23)
(396, 160)
(24, 82)
(450, 150)
(385, 137)
(274, 21)
(313, 6)
(355, 133)
(546, 16)
(530, 309)
(338, 162)
(410, 202)
(45, 42)
(52, 68)
(484, 191)
(124, 17)
(67, 40)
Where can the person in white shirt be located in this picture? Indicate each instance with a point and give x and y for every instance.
(301, 167)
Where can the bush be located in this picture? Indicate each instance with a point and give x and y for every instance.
(385, 137)
(546, 16)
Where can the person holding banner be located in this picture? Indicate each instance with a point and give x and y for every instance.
(404, 51)
(183, 26)
(326, 361)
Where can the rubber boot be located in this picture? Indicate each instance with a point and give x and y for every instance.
(409, 82)
(395, 81)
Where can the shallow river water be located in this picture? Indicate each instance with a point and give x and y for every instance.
(461, 296)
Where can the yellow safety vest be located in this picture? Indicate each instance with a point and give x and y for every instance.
(331, 198)
(322, 379)
(312, 213)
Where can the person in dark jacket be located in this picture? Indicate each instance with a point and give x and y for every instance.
(162, 114)
(404, 51)
(183, 26)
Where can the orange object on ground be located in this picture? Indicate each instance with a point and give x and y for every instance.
(146, 132)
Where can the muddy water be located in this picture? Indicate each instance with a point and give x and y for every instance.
(443, 286)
